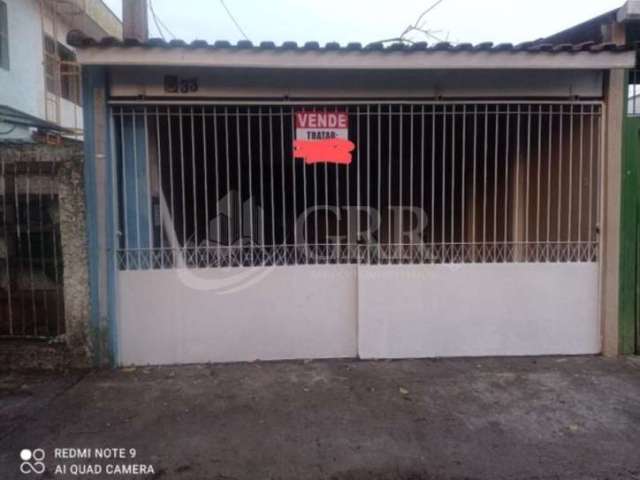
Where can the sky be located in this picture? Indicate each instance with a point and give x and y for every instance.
(367, 21)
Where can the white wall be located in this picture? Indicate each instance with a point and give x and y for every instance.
(173, 316)
(478, 310)
(22, 86)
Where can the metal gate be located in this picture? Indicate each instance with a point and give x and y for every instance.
(507, 192)
(430, 183)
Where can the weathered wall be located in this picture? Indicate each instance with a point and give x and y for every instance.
(74, 346)
(74, 250)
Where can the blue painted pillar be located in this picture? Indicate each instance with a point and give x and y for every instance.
(99, 188)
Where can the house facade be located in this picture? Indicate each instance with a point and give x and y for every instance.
(39, 74)
(262, 202)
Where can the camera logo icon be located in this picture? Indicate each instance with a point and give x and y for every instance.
(32, 461)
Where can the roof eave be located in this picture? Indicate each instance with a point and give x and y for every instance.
(358, 60)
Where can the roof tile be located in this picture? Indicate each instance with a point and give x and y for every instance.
(79, 40)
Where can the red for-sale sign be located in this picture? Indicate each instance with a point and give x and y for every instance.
(323, 137)
(316, 125)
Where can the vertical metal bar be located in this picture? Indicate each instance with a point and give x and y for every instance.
(422, 175)
(171, 182)
(591, 186)
(304, 193)
(29, 246)
(349, 208)
(560, 162)
(6, 243)
(151, 244)
(50, 184)
(326, 215)
(228, 175)
(368, 183)
(293, 189)
(411, 167)
(284, 201)
(250, 175)
(160, 191)
(601, 123)
(205, 162)
(538, 202)
(463, 199)
(528, 184)
(56, 273)
(570, 193)
(495, 179)
(358, 187)
(517, 179)
(380, 179)
(580, 173)
(183, 181)
(390, 248)
(484, 193)
(136, 187)
(123, 163)
(400, 180)
(216, 175)
(19, 246)
(506, 179)
(453, 176)
(549, 166)
(444, 176)
(316, 234)
(475, 181)
(273, 200)
(262, 201)
(240, 216)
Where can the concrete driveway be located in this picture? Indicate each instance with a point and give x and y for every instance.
(552, 418)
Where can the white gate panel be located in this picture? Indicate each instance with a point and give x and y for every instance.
(478, 310)
(174, 316)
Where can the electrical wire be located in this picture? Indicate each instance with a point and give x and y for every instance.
(159, 23)
(234, 20)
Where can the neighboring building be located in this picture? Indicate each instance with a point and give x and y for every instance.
(39, 75)
(478, 215)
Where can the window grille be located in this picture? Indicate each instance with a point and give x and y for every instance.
(217, 185)
(31, 267)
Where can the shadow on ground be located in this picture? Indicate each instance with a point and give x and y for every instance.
(552, 418)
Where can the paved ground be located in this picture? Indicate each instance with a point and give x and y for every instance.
(553, 418)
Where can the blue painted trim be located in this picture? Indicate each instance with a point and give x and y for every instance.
(112, 268)
(90, 79)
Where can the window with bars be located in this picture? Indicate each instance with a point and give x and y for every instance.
(62, 72)
(4, 36)
(218, 185)
(31, 267)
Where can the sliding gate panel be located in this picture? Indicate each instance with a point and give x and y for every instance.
(230, 248)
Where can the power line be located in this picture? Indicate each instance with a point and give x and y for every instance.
(234, 20)
(155, 20)
(159, 23)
